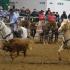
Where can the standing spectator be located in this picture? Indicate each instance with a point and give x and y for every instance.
(47, 11)
(57, 17)
(34, 14)
(51, 18)
(41, 22)
(46, 14)
(52, 25)
(63, 16)
(27, 12)
(22, 11)
(41, 17)
(69, 16)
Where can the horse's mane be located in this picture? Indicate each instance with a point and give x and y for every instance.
(66, 24)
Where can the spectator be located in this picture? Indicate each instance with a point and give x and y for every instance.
(41, 17)
(69, 16)
(27, 12)
(34, 14)
(46, 14)
(51, 20)
(22, 12)
(63, 16)
(57, 16)
(57, 19)
(47, 11)
(51, 17)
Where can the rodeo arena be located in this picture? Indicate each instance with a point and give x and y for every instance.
(34, 34)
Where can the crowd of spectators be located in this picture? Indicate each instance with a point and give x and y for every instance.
(34, 15)
(41, 16)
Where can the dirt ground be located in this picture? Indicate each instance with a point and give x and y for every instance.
(41, 57)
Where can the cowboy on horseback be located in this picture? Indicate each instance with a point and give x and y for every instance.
(14, 16)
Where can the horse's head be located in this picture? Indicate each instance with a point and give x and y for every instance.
(64, 25)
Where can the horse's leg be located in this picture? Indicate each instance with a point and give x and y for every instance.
(59, 52)
(18, 53)
(40, 38)
(56, 36)
(45, 36)
(51, 33)
(34, 32)
(24, 50)
(51, 36)
(40, 35)
(31, 32)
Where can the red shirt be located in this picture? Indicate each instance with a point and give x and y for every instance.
(41, 17)
(51, 18)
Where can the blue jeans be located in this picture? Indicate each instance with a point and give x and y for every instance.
(13, 27)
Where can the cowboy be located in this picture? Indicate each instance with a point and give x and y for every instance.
(14, 16)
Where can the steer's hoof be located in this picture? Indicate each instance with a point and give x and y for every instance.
(59, 59)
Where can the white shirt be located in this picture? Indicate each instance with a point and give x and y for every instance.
(14, 17)
(16, 14)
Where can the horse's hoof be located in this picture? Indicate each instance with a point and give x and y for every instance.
(59, 58)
